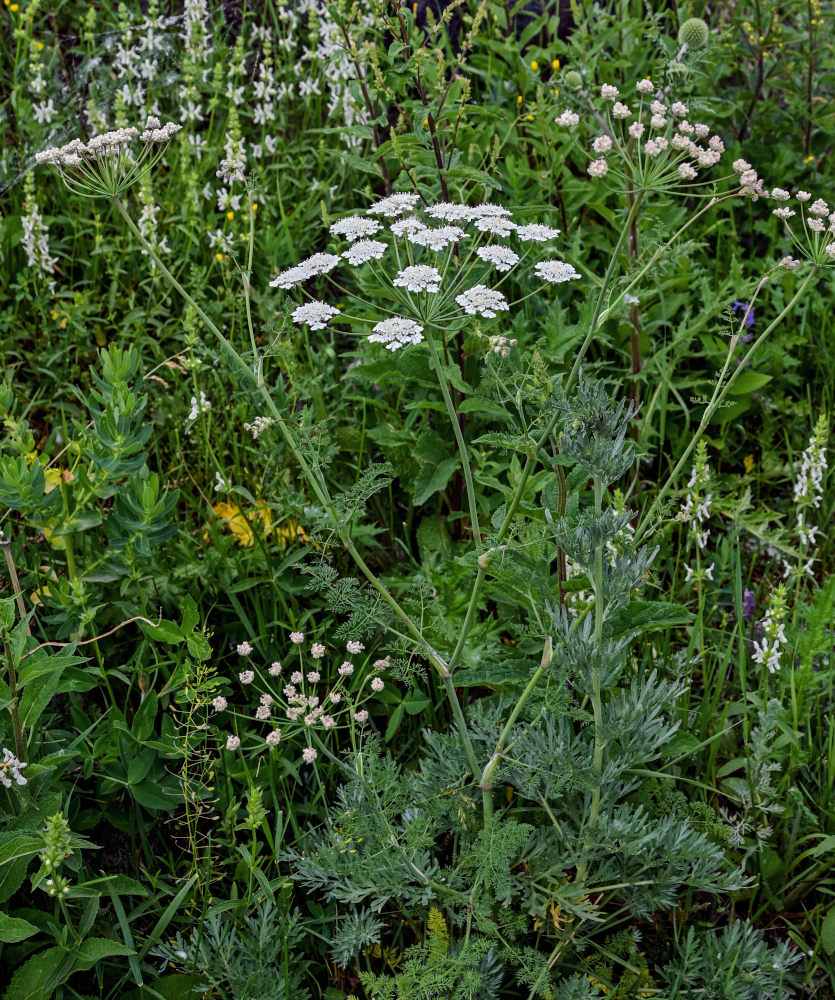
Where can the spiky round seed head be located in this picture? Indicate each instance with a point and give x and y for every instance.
(693, 33)
(573, 79)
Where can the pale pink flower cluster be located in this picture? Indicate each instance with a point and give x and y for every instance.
(671, 155)
(815, 236)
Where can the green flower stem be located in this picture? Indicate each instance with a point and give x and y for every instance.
(246, 277)
(597, 706)
(14, 708)
(320, 489)
(486, 784)
(715, 401)
(533, 453)
(607, 278)
(459, 438)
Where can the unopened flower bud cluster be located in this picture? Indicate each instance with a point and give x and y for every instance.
(655, 142)
(300, 699)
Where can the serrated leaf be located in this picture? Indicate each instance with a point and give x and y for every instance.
(643, 616)
(29, 981)
(827, 935)
(14, 929)
(433, 480)
(96, 949)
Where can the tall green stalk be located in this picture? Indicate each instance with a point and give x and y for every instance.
(318, 486)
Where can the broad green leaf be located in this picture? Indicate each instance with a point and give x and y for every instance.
(141, 765)
(95, 949)
(29, 981)
(827, 935)
(191, 616)
(143, 721)
(643, 616)
(14, 929)
(164, 632)
(749, 382)
(433, 480)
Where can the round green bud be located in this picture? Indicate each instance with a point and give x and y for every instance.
(573, 79)
(693, 33)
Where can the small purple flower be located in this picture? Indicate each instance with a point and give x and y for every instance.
(748, 603)
(748, 317)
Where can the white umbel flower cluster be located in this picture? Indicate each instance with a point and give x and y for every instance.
(416, 235)
(502, 258)
(319, 263)
(11, 769)
(363, 251)
(669, 156)
(394, 205)
(555, 271)
(396, 332)
(316, 314)
(354, 227)
(482, 301)
(418, 278)
(535, 232)
(107, 165)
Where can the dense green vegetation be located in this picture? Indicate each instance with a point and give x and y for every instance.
(417, 574)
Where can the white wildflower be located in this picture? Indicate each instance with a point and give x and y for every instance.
(316, 314)
(502, 258)
(394, 205)
(450, 211)
(482, 301)
(418, 278)
(535, 232)
(555, 271)
(363, 251)
(11, 769)
(396, 332)
(355, 227)
(436, 239)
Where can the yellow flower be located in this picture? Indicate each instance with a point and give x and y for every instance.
(808, 159)
(519, 99)
(55, 476)
(230, 215)
(528, 118)
(14, 8)
(255, 206)
(555, 64)
(748, 462)
(240, 525)
(426, 122)
(40, 46)
(534, 65)
(218, 256)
